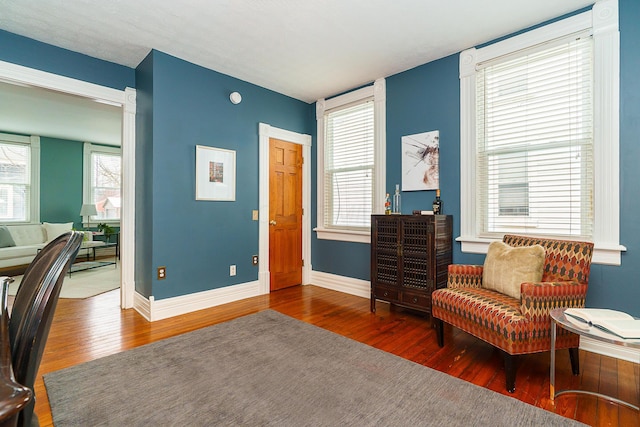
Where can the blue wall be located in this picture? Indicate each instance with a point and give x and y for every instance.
(419, 100)
(181, 105)
(198, 240)
(144, 175)
(41, 56)
(428, 98)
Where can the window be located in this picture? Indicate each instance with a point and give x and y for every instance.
(348, 167)
(539, 135)
(19, 179)
(351, 172)
(534, 141)
(102, 181)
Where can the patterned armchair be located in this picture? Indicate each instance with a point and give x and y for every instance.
(517, 326)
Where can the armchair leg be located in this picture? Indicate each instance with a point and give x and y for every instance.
(510, 371)
(575, 360)
(439, 330)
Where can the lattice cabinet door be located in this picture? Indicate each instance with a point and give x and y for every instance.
(416, 281)
(384, 259)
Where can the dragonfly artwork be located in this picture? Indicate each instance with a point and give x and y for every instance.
(421, 161)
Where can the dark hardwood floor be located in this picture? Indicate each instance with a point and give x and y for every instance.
(88, 329)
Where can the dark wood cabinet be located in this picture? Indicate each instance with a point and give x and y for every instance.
(410, 255)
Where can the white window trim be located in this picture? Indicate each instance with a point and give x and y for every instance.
(88, 149)
(267, 132)
(378, 92)
(34, 203)
(602, 20)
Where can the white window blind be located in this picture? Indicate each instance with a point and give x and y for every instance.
(15, 182)
(349, 158)
(534, 140)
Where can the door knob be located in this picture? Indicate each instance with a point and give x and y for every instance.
(272, 222)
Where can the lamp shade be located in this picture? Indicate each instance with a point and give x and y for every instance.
(88, 210)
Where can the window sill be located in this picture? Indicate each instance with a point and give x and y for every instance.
(343, 235)
(608, 254)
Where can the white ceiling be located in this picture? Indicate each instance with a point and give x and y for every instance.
(41, 112)
(306, 49)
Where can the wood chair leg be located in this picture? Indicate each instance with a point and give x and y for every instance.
(575, 360)
(439, 330)
(510, 371)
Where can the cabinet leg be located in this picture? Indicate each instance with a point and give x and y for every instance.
(373, 305)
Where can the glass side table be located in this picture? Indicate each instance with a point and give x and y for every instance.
(558, 318)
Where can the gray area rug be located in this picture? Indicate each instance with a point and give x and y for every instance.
(85, 283)
(269, 369)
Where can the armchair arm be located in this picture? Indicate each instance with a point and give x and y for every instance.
(464, 276)
(539, 298)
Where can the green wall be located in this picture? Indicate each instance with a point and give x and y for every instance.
(61, 180)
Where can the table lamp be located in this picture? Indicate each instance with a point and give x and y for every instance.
(88, 210)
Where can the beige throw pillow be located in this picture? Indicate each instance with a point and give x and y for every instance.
(54, 230)
(506, 267)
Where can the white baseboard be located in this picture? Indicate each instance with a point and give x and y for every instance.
(142, 305)
(348, 285)
(616, 351)
(153, 310)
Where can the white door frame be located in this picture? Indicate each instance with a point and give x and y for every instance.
(12, 73)
(266, 132)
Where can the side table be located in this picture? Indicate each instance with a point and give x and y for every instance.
(558, 318)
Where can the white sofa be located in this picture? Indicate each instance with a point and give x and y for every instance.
(31, 237)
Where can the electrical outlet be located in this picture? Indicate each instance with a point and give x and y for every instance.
(162, 272)
(232, 270)
(254, 260)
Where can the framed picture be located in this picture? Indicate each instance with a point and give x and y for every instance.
(421, 161)
(215, 174)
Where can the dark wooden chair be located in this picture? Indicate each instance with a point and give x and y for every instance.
(13, 396)
(27, 329)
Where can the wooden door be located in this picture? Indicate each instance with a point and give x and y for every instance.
(285, 214)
